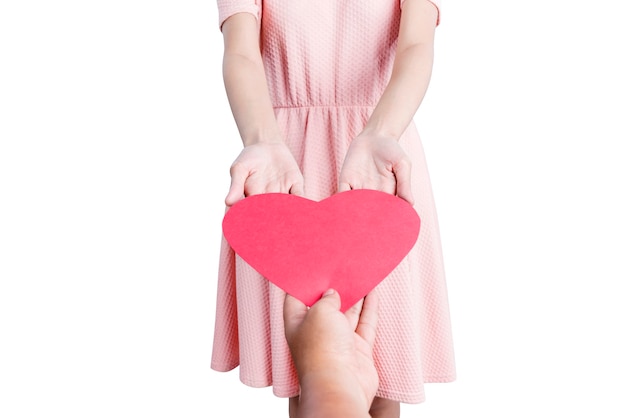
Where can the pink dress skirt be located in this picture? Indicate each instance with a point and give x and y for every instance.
(327, 63)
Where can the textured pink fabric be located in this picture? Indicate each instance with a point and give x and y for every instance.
(327, 63)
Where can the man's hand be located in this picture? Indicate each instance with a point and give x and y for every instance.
(332, 351)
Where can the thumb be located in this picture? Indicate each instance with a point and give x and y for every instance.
(238, 177)
(344, 186)
(330, 299)
(297, 189)
(402, 173)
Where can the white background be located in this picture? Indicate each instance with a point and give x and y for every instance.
(116, 139)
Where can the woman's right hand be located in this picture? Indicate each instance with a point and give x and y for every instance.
(264, 167)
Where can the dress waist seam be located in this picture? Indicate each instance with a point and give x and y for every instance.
(367, 106)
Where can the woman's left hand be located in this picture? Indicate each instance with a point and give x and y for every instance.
(378, 163)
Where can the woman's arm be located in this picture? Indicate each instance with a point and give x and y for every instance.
(265, 165)
(411, 71)
(374, 159)
(244, 79)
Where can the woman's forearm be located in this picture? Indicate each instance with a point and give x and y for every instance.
(245, 82)
(404, 93)
(411, 71)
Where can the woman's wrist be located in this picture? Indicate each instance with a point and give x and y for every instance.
(262, 137)
(380, 131)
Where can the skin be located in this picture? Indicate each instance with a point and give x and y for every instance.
(332, 353)
(374, 160)
(265, 164)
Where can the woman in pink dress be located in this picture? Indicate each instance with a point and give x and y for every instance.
(324, 93)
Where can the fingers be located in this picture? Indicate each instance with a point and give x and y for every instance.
(294, 312)
(264, 168)
(385, 184)
(297, 189)
(234, 196)
(402, 172)
(238, 176)
(243, 184)
(353, 314)
(343, 187)
(369, 318)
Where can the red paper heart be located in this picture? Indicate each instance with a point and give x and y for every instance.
(349, 242)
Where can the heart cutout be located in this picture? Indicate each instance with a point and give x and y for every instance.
(349, 242)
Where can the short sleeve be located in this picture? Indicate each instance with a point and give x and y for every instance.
(437, 4)
(227, 8)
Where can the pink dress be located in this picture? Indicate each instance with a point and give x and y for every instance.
(327, 63)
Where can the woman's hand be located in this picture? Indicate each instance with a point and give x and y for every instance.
(264, 167)
(378, 163)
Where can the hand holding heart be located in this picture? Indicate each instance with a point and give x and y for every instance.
(378, 163)
(267, 167)
(348, 242)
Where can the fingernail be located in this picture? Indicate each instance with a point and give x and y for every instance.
(329, 292)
